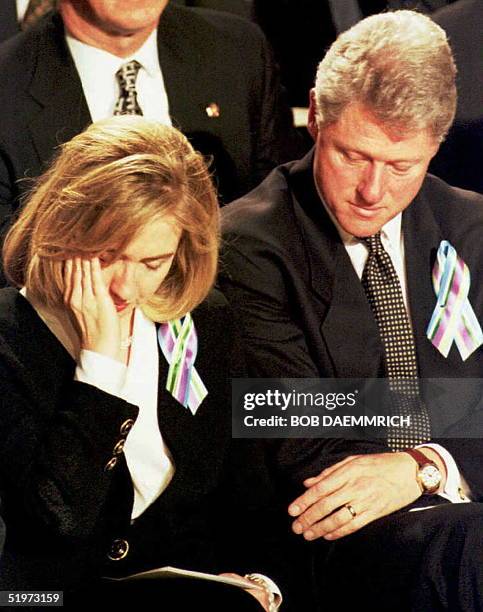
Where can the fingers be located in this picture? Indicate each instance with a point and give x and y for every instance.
(322, 487)
(373, 485)
(98, 284)
(76, 285)
(319, 510)
(86, 282)
(339, 524)
(68, 266)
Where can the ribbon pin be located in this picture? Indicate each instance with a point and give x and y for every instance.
(179, 343)
(453, 318)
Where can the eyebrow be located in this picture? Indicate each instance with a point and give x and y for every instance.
(157, 257)
(406, 160)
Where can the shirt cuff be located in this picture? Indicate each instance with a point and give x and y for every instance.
(101, 371)
(272, 586)
(454, 487)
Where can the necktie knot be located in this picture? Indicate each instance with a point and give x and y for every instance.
(374, 243)
(127, 75)
(127, 103)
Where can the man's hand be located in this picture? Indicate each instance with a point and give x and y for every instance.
(353, 493)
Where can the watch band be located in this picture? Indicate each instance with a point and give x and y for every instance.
(423, 464)
(419, 457)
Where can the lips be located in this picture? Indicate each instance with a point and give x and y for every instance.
(366, 212)
(120, 306)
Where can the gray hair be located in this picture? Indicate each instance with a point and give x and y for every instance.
(399, 65)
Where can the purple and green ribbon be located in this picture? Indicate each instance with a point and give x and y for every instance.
(453, 318)
(179, 343)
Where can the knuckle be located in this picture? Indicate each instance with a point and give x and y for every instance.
(320, 488)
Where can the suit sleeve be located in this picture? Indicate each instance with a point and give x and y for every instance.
(254, 282)
(54, 452)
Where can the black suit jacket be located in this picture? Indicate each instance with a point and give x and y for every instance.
(206, 57)
(303, 308)
(460, 157)
(63, 510)
(8, 19)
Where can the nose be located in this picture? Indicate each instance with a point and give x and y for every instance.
(372, 184)
(123, 282)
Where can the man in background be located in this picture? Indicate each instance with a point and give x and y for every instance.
(208, 73)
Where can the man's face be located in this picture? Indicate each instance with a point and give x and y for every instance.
(121, 17)
(366, 175)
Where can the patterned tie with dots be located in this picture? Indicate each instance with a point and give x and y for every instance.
(385, 297)
(127, 103)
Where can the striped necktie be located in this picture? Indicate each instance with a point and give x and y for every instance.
(383, 291)
(127, 103)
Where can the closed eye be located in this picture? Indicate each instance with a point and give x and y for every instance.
(154, 266)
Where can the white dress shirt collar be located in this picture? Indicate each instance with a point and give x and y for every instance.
(392, 239)
(97, 71)
(21, 8)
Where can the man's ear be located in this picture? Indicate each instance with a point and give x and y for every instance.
(312, 117)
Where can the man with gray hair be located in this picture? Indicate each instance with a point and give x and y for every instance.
(351, 263)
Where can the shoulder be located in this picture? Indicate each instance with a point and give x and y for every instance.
(218, 28)
(213, 310)
(264, 211)
(21, 51)
(20, 329)
(271, 221)
(11, 309)
(448, 213)
(457, 210)
(459, 16)
(22, 58)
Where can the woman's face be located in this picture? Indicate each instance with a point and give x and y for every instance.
(136, 276)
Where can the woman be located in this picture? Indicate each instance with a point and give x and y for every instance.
(116, 451)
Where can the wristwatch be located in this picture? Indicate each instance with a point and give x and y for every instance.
(428, 474)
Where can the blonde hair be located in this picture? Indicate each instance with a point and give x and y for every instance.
(104, 186)
(397, 64)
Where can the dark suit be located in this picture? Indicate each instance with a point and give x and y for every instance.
(305, 314)
(206, 57)
(63, 509)
(459, 159)
(242, 8)
(8, 19)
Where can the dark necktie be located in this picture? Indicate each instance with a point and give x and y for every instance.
(127, 103)
(384, 293)
(35, 10)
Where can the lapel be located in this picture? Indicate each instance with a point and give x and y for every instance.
(348, 328)
(8, 19)
(422, 236)
(197, 442)
(57, 120)
(180, 69)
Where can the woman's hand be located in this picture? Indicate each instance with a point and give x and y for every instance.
(86, 295)
(261, 595)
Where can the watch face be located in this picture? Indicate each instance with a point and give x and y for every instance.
(430, 477)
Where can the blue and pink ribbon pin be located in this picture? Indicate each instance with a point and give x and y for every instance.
(453, 319)
(179, 342)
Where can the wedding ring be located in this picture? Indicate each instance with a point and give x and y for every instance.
(351, 510)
